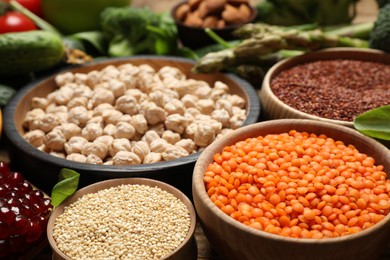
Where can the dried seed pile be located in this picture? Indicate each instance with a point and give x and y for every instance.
(124, 222)
(299, 185)
(334, 89)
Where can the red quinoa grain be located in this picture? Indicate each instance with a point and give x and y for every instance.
(334, 89)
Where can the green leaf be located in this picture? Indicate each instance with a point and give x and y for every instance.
(69, 181)
(95, 38)
(374, 123)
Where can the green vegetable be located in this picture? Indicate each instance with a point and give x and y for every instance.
(130, 31)
(73, 16)
(67, 185)
(380, 35)
(294, 12)
(31, 51)
(374, 123)
(262, 40)
(6, 93)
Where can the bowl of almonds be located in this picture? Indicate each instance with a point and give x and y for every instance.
(143, 116)
(222, 16)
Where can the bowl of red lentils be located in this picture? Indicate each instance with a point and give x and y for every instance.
(129, 218)
(332, 85)
(294, 189)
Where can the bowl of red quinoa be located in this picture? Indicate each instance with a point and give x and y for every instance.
(129, 218)
(124, 117)
(294, 189)
(333, 85)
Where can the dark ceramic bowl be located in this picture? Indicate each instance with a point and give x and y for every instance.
(195, 37)
(42, 169)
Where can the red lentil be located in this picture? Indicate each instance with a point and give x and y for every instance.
(326, 200)
(334, 89)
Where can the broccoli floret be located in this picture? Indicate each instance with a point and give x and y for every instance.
(380, 34)
(131, 30)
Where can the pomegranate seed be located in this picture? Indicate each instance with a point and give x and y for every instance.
(20, 225)
(34, 231)
(3, 191)
(4, 170)
(6, 215)
(15, 179)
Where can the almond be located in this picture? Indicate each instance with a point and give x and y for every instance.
(193, 20)
(203, 10)
(182, 11)
(245, 12)
(232, 15)
(194, 4)
(215, 6)
(221, 24)
(210, 22)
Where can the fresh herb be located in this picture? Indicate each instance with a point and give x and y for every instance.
(69, 181)
(374, 123)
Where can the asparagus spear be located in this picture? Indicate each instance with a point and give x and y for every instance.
(269, 40)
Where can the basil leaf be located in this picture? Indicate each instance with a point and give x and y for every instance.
(95, 38)
(69, 181)
(374, 123)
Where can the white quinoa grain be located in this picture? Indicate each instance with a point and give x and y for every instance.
(124, 222)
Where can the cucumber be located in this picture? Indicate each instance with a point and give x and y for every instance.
(31, 51)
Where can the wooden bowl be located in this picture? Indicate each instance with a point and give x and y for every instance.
(186, 250)
(42, 168)
(195, 37)
(274, 108)
(234, 240)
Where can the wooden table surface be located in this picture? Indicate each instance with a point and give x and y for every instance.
(366, 10)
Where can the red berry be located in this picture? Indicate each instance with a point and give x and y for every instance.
(6, 215)
(42, 220)
(15, 179)
(3, 191)
(25, 209)
(34, 231)
(46, 205)
(20, 225)
(4, 169)
(36, 196)
(25, 187)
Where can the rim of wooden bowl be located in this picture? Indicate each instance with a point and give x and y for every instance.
(93, 188)
(270, 101)
(269, 127)
(12, 131)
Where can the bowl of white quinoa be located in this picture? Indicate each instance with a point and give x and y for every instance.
(127, 218)
(139, 116)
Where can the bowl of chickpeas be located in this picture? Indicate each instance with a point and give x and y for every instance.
(143, 116)
(126, 218)
(294, 189)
